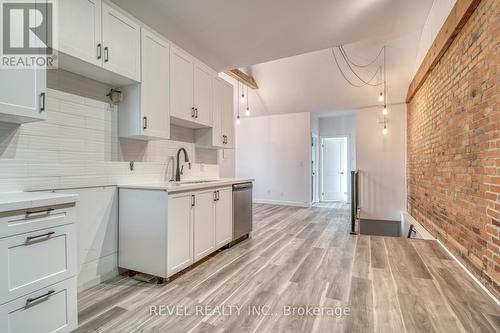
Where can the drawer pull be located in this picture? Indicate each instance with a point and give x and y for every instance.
(31, 300)
(45, 211)
(30, 238)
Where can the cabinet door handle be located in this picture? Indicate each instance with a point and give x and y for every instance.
(215, 196)
(31, 300)
(47, 235)
(45, 211)
(42, 102)
(218, 195)
(99, 51)
(196, 112)
(193, 201)
(106, 54)
(193, 112)
(144, 123)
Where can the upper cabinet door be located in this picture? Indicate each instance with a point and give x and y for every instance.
(155, 86)
(80, 33)
(218, 110)
(121, 44)
(23, 91)
(228, 114)
(181, 85)
(203, 94)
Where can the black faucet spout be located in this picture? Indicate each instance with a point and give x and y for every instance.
(186, 160)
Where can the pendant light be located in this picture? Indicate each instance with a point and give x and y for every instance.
(238, 119)
(247, 112)
(242, 94)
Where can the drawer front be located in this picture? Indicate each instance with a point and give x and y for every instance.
(48, 310)
(35, 260)
(22, 221)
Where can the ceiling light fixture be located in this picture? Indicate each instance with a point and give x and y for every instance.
(247, 112)
(242, 94)
(238, 118)
(381, 97)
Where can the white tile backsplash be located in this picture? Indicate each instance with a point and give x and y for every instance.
(78, 146)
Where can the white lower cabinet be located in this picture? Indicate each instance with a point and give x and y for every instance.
(196, 223)
(204, 242)
(224, 217)
(48, 310)
(180, 232)
(38, 257)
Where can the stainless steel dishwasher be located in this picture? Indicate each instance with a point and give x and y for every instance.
(242, 211)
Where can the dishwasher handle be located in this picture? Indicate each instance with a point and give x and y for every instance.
(241, 187)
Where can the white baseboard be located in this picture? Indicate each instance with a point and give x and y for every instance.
(283, 203)
(470, 274)
(426, 235)
(95, 272)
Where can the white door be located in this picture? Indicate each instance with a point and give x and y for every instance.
(80, 33)
(181, 85)
(180, 232)
(314, 168)
(122, 44)
(204, 242)
(224, 217)
(155, 86)
(334, 169)
(203, 95)
(23, 91)
(217, 111)
(228, 120)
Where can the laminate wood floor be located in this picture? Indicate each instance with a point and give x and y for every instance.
(301, 272)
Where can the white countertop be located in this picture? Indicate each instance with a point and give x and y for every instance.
(187, 185)
(23, 200)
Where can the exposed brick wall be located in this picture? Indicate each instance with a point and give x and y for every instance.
(454, 147)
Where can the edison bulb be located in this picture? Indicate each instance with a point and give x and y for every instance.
(247, 112)
(381, 97)
(238, 120)
(385, 111)
(385, 131)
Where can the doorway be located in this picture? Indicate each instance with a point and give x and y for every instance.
(334, 164)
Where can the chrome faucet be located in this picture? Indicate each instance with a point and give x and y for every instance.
(178, 171)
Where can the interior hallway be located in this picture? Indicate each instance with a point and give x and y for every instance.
(299, 257)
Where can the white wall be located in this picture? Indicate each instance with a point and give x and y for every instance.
(342, 126)
(381, 160)
(435, 20)
(276, 151)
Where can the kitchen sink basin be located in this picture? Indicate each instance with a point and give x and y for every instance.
(192, 182)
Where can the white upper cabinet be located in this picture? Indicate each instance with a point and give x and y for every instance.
(228, 115)
(80, 33)
(23, 92)
(94, 35)
(121, 44)
(221, 134)
(145, 111)
(190, 90)
(181, 85)
(203, 94)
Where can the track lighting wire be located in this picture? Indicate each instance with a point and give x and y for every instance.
(362, 66)
(348, 80)
(368, 83)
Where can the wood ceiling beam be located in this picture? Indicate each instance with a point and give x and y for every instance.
(456, 20)
(244, 78)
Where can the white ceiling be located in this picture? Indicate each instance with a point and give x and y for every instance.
(229, 34)
(285, 44)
